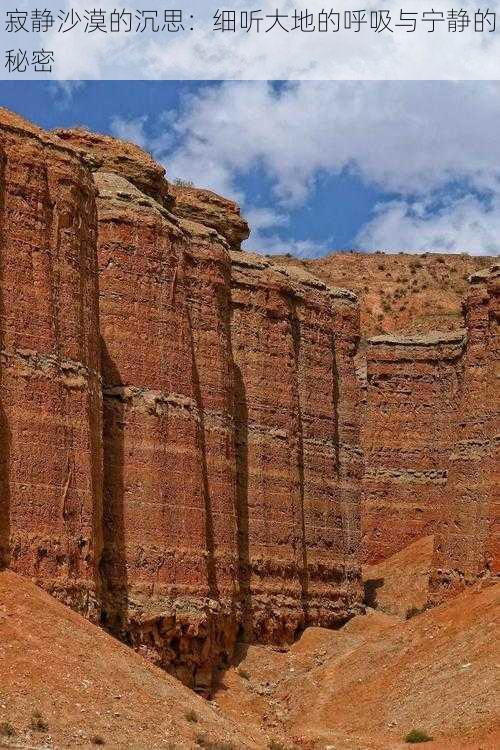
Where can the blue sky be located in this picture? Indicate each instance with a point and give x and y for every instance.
(316, 166)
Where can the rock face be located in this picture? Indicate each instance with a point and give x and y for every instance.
(298, 456)
(408, 430)
(467, 545)
(50, 394)
(232, 463)
(211, 210)
(181, 422)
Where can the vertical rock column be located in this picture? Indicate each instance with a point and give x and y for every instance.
(169, 561)
(326, 432)
(467, 543)
(50, 395)
(169, 442)
(412, 388)
(293, 505)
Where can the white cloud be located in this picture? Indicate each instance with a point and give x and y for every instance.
(208, 54)
(404, 137)
(131, 130)
(413, 141)
(466, 225)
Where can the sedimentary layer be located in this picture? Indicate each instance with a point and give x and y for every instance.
(232, 463)
(50, 393)
(298, 454)
(467, 544)
(412, 387)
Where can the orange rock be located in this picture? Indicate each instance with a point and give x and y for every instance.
(50, 394)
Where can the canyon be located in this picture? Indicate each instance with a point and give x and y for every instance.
(205, 449)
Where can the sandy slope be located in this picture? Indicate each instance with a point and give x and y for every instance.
(85, 684)
(399, 584)
(368, 684)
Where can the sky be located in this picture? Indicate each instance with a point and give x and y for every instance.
(316, 166)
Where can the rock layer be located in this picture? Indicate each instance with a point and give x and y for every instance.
(232, 463)
(51, 469)
(408, 430)
(298, 455)
(467, 544)
(181, 421)
(169, 470)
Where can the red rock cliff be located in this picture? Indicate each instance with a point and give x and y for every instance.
(298, 456)
(408, 430)
(50, 394)
(467, 545)
(232, 463)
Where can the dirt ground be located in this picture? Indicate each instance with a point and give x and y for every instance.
(67, 684)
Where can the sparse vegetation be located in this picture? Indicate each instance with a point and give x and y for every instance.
(38, 723)
(183, 183)
(413, 611)
(97, 740)
(203, 741)
(6, 729)
(191, 716)
(243, 674)
(417, 735)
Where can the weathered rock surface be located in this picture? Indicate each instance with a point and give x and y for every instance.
(169, 468)
(298, 455)
(468, 543)
(183, 424)
(207, 208)
(408, 431)
(107, 154)
(50, 394)
(232, 463)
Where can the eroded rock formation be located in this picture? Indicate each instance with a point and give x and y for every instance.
(183, 423)
(205, 444)
(298, 454)
(50, 394)
(408, 432)
(467, 542)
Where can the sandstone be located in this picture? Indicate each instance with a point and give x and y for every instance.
(298, 455)
(50, 390)
(211, 210)
(468, 538)
(108, 154)
(408, 433)
(198, 446)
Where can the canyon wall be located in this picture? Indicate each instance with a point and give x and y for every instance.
(231, 429)
(50, 393)
(408, 431)
(298, 455)
(467, 543)
(183, 423)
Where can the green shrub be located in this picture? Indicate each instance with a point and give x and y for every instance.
(38, 723)
(417, 735)
(97, 740)
(191, 716)
(6, 729)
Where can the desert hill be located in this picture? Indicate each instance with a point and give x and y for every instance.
(401, 292)
(66, 683)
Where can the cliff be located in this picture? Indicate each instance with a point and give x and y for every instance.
(408, 433)
(197, 406)
(468, 543)
(198, 448)
(50, 392)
